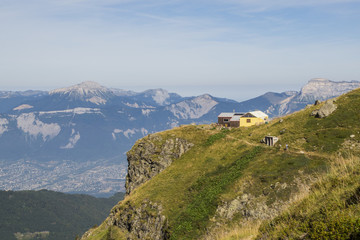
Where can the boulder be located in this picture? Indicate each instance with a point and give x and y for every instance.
(328, 108)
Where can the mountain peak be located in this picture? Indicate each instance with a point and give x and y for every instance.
(81, 88)
(205, 96)
(87, 91)
(194, 108)
(89, 84)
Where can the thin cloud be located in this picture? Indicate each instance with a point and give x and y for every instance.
(157, 42)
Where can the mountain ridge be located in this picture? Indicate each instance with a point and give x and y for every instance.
(86, 129)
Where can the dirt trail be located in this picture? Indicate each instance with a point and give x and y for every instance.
(290, 150)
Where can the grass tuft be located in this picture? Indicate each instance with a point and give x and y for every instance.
(213, 138)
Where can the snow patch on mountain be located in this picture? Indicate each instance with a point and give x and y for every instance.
(3, 125)
(136, 105)
(128, 133)
(79, 110)
(22, 107)
(28, 123)
(118, 131)
(133, 105)
(115, 132)
(74, 138)
(144, 131)
(97, 100)
(146, 112)
(194, 108)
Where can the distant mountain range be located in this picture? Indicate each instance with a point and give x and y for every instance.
(74, 139)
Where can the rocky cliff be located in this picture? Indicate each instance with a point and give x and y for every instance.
(322, 89)
(316, 89)
(140, 222)
(146, 220)
(150, 156)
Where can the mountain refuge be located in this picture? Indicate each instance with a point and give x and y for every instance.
(242, 119)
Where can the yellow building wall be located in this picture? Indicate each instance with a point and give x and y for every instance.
(253, 121)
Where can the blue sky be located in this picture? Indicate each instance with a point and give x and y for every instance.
(230, 48)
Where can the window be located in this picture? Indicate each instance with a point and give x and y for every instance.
(248, 120)
(226, 119)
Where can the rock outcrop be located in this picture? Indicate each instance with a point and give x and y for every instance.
(150, 156)
(143, 222)
(316, 89)
(328, 108)
(322, 89)
(135, 222)
(249, 207)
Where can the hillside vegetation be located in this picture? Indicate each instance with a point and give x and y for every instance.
(230, 186)
(26, 215)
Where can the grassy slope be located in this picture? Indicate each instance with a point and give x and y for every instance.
(64, 215)
(331, 210)
(225, 164)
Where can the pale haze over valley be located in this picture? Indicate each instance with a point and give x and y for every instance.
(232, 48)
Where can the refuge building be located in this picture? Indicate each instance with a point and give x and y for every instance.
(242, 119)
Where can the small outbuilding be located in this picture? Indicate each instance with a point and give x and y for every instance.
(271, 140)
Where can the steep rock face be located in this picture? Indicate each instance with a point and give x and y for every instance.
(322, 89)
(143, 222)
(150, 156)
(316, 89)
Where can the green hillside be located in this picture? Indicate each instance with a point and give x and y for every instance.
(50, 215)
(231, 186)
(330, 210)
